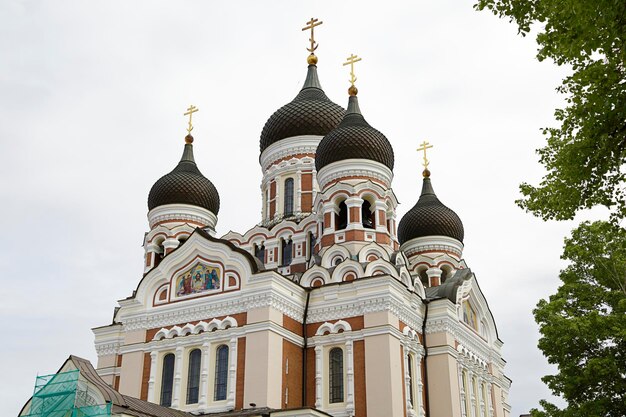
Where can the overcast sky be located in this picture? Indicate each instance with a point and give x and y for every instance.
(91, 101)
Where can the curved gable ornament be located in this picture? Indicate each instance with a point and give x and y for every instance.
(333, 328)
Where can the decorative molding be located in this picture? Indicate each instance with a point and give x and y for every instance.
(355, 168)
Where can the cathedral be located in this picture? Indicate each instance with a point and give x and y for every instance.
(329, 306)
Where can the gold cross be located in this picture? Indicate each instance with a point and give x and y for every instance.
(311, 25)
(351, 60)
(190, 111)
(423, 146)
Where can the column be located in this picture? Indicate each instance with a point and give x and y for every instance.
(462, 387)
(152, 251)
(407, 382)
(232, 373)
(204, 375)
(151, 381)
(170, 244)
(298, 192)
(489, 388)
(381, 216)
(350, 377)
(178, 367)
(318, 376)
(420, 384)
(354, 211)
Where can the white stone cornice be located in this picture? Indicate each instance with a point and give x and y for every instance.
(240, 304)
(182, 212)
(355, 168)
(432, 243)
(287, 147)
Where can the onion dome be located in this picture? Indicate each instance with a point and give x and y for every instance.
(354, 138)
(310, 113)
(429, 217)
(185, 185)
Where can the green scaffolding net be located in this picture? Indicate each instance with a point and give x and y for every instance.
(64, 395)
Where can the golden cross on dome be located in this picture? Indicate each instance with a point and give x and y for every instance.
(190, 111)
(311, 24)
(351, 60)
(423, 147)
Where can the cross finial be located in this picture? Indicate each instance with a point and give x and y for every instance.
(423, 147)
(351, 60)
(311, 24)
(190, 111)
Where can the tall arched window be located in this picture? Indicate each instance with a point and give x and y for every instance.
(221, 373)
(341, 219)
(411, 376)
(167, 380)
(288, 197)
(286, 252)
(468, 394)
(193, 376)
(368, 218)
(335, 380)
(259, 252)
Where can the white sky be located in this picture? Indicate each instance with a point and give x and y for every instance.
(91, 101)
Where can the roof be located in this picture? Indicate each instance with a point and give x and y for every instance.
(429, 217)
(311, 112)
(354, 138)
(119, 403)
(185, 185)
(450, 287)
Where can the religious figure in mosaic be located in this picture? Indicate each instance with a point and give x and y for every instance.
(197, 279)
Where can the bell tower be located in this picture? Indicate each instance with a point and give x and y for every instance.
(356, 205)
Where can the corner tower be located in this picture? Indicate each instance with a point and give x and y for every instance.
(431, 235)
(178, 203)
(288, 143)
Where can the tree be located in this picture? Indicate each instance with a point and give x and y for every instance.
(583, 325)
(585, 156)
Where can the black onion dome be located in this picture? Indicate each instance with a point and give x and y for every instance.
(310, 113)
(185, 185)
(354, 138)
(429, 217)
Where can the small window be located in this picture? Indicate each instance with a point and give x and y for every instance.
(287, 252)
(193, 376)
(411, 376)
(469, 315)
(288, 197)
(259, 252)
(335, 375)
(167, 380)
(368, 218)
(341, 219)
(221, 373)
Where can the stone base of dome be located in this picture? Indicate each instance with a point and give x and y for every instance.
(357, 169)
(432, 244)
(182, 213)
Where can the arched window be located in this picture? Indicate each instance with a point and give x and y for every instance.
(341, 219)
(411, 376)
(288, 197)
(221, 373)
(368, 218)
(167, 380)
(287, 248)
(259, 252)
(193, 376)
(335, 380)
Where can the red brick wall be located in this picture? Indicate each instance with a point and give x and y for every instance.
(292, 377)
(241, 372)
